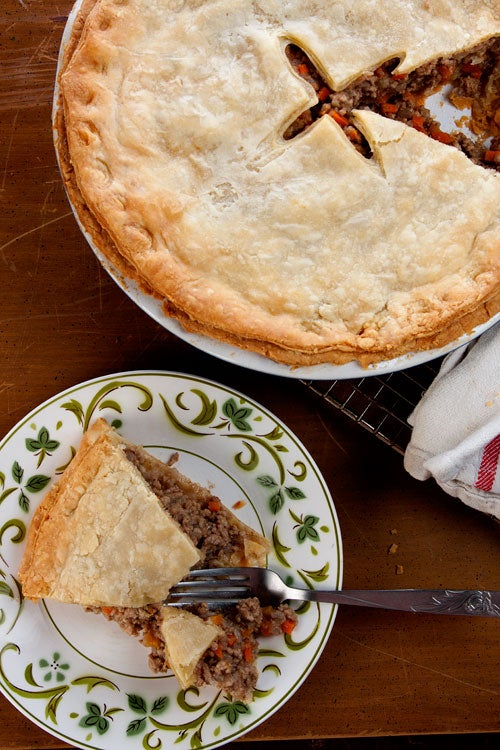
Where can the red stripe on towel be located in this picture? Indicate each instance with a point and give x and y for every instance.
(489, 463)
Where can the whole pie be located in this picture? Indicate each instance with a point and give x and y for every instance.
(269, 169)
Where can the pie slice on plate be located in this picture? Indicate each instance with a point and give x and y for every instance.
(101, 536)
(271, 173)
(118, 529)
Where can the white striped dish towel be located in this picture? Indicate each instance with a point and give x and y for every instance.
(456, 426)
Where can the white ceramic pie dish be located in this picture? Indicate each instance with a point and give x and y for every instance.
(229, 353)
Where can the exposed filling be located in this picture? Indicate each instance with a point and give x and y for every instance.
(472, 81)
(229, 663)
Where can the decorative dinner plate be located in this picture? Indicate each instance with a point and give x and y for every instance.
(450, 119)
(79, 676)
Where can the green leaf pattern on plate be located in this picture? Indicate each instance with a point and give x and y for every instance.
(51, 696)
(100, 402)
(53, 668)
(231, 710)
(34, 483)
(42, 446)
(98, 717)
(236, 422)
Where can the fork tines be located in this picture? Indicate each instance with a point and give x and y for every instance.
(211, 585)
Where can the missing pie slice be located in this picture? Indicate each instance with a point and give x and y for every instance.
(120, 528)
(270, 172)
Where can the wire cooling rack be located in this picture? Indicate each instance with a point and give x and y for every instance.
(380, 403)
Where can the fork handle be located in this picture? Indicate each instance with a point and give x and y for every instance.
(444, 601)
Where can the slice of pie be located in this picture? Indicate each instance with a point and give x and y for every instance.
(272, 174)
(120, 528)
(101, 535)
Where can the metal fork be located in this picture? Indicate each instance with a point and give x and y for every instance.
(226, 586)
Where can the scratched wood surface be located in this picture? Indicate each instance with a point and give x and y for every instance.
(62, 321)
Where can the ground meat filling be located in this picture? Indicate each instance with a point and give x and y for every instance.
(143, 623)
(229, 663)
(472, 80)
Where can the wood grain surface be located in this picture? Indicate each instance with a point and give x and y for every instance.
(63, 320)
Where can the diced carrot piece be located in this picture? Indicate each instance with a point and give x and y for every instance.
(490, 155)
(217, 651)
(248, 653)
(353, 134)
(474, 70)
(323, 94)
(445, 72)
(418, 122)
(239, 504)
(399, 76)
(438, 135)
(287, 626)
(409, 96)
(339, 119)
(107, 610)
(217, 619)
(389, 109)
(214, 505)
(265, 628)
(302, 69)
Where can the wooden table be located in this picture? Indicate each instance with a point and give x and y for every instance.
(62, 321)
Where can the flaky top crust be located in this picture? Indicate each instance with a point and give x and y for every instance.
(100, 536)
(171, 144)
(186, 637)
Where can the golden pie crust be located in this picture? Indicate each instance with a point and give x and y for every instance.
(170, 140)
(100, 536)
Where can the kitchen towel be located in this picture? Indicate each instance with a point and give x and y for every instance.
(456, 426)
